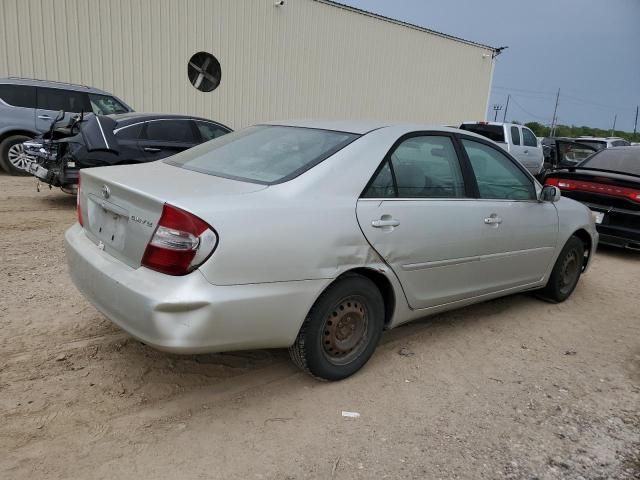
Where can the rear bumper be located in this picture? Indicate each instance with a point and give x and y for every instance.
(620, 228)
(188, 314)
(621, 241)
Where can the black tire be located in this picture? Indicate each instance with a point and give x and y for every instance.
(5, 149)
(566, 272)
(342, 329)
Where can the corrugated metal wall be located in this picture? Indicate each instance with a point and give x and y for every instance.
(305, 59)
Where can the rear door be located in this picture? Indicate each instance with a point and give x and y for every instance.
(162, 138)
(519, 231)
(418, 214)
(51, 100)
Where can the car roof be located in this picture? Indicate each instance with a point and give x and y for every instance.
(35, 82)
(599, 139)
(498, 124)
(129, 118)
(361, 127)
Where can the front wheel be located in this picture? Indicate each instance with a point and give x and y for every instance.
(342, 329)
(566, 272)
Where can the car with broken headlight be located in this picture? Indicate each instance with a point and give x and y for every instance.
(100, 140)
(317, 236)
(28, 106)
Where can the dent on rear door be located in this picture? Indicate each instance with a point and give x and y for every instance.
(434, 250)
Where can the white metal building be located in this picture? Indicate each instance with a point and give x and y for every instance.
(302, 59)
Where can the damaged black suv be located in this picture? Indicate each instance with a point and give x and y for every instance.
(90, 140)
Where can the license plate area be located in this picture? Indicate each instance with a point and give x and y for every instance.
(108, 222)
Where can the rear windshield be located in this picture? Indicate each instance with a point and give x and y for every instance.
(624, 160)
(264, 154)
(492, 132)
(105, 105)
(592, 143)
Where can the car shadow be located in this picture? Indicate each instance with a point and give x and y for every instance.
(189, 371)
(619, 253)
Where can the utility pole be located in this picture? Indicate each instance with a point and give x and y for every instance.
(635, 125)
(554, 119)
(613, 129)
(496, 108)
(504, 117)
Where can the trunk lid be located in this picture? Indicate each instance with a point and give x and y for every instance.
(121, 205)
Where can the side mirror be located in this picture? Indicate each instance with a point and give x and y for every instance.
(550, 193)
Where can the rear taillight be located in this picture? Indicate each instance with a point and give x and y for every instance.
(594, 187)
(180, 243)
(78, 208)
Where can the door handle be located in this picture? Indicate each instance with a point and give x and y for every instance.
(493, 219)
(152, 149)
(44, 117)
(385, 222)
(526, 151)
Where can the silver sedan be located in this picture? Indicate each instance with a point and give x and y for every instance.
(317, 236)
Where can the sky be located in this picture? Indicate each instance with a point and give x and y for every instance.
(589, 49)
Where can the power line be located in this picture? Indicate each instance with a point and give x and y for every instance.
(575, 99)
(539, 117)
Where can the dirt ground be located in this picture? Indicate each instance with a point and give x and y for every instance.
(513, 388)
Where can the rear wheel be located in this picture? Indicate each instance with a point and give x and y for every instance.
(566, 272)
(12, 157)
(342, 329)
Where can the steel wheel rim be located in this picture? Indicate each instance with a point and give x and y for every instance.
(17, 157)
(569, 271)
(344, 331)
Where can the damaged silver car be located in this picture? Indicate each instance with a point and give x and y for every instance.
(317, 236)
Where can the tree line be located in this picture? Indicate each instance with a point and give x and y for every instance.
(573, 131)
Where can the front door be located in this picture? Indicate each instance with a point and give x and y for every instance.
(165, 137)
(418, 215)
(520, 232)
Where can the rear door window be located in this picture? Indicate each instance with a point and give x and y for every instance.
(492, 132)
(18, 95)
(67, 100)
(131, 132)
(170, 131)
(423, 167)
(515, 135)
(529, 139)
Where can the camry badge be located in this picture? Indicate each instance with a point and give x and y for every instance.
(106, 193)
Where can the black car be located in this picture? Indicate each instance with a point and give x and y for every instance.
(608, 182)
(101, 140)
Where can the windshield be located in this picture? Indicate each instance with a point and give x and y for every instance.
(106, 105)
(625, 160)
(265, 154)
(492, 132)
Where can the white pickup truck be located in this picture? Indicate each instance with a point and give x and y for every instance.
(519, 141)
